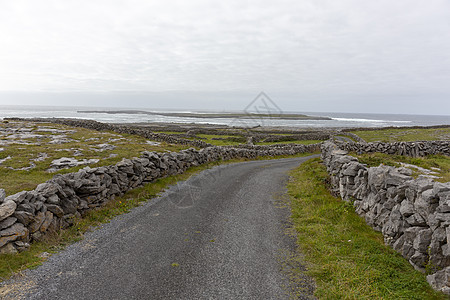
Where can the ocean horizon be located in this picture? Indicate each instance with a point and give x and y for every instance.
(338, 119)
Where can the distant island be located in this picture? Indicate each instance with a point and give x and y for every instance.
(211, 115)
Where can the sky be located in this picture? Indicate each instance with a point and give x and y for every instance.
(307, 55)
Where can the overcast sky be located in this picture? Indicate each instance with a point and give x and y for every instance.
(308, 55)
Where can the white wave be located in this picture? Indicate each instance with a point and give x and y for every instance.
(368, 120)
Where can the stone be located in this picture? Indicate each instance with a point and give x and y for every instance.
(21, 246)
(17, 198)
(55, 209)
(15, 232)
(7, 208)
(38, 220)
(53, 199)
(422, 240)
(8, 249)
(24, 217)
(25, 207)
(7, 222)
(418, 260)
(47, 221)
(2, 195)
(47, 189)
(440, 280)
(406, 208)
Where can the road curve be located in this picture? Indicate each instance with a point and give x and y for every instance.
(219, 235)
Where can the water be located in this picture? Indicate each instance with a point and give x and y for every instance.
(338, 119)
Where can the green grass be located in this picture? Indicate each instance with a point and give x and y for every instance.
(13, 263)
(431, 161)
(347, 259)
(404, 135)
(225, 140)
(305, 142)
(14, 181)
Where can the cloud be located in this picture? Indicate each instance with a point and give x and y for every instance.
(310, 49)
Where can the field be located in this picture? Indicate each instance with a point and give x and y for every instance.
(28, 149)
(404, 134)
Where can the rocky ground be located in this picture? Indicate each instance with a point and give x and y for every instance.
(32, 152)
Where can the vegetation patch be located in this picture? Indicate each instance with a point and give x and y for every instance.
(347, 258)
(404, 135)
(440, 164)
(40, 147)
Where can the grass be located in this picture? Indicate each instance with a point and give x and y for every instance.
(304, 142)
(404, 135)
(13, 263)
(441, 162)
(85, 140)
(347, 259)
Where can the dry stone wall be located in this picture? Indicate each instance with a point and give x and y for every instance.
(29, 215)
(414, 149)
(412, 214)
(128, 129)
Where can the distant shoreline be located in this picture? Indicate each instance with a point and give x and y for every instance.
(211, 115)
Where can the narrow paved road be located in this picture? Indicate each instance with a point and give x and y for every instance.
(219, 235)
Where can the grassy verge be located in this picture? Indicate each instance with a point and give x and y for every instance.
(13, 263)
(404, 135)
(441, 162)
(347, 259)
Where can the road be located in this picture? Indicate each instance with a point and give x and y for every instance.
(223, 234)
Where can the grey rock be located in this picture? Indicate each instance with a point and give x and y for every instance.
(24, 217)
(2, 195)
(36, 224)
(53, 199)
(406, 208)
(47, 221)
(17, 198)
(21, 246)
(25, 207)
(15, 232)
(47, 189)
(440, 280)
(7, 208)
(8, 249)
(55, 209)
(7, 222)
(422, 240)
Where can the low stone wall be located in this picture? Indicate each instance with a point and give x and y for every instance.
(28, 215)
(414, 149)
(412, 214)
(128, 129)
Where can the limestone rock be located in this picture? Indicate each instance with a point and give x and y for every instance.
(2, 195)
(8, 249)
(7, 208)
(24, 217)
(7, 222)
(17, 231)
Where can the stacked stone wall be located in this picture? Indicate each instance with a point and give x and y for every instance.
(29, 215)
(413, 149)
(413, 214)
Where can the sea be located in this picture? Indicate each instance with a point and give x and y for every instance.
(338, 119)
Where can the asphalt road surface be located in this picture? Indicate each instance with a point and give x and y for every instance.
(223, 234)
